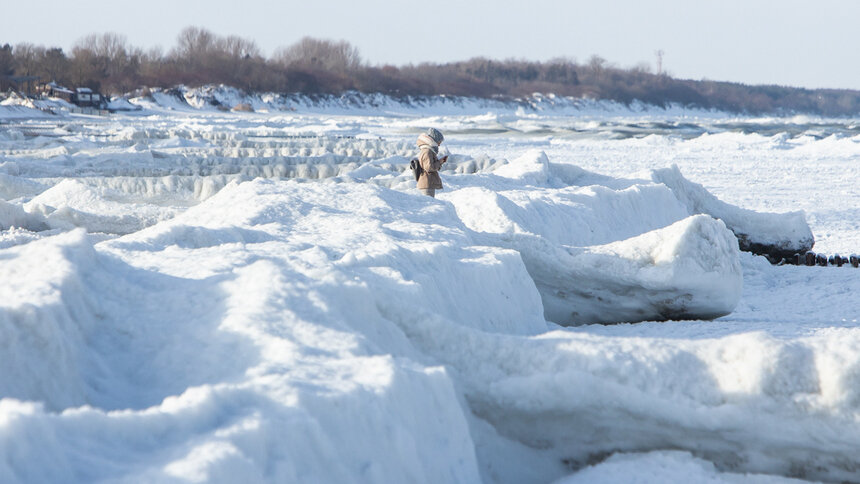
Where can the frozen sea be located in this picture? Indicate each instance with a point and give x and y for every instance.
(196, 295)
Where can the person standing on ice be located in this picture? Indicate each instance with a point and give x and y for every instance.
(429, 180)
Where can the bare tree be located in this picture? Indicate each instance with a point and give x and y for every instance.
(194, 44)
(239, 48)
(7, 65)
(110, 44)
(87, 67)
(597, 65)
(561, 71)
(317, 66)
(153, 67)
(27, 58)
(55, 64)
(203, 57)
(320, 54)
(105, 60)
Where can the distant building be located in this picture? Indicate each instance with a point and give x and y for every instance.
(82, 97)
(52, 89)
(86, 97)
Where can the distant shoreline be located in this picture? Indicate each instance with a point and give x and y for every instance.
(108, 64)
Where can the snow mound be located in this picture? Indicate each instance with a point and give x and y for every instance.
(213, 355)
(71, 203)
(567, 215)
(604, 255)
(42, 320)
(535, 168)
(779, 236)
(531, 168)
(121, 104)
(689, 270)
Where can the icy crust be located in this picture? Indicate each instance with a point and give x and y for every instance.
(778, 236)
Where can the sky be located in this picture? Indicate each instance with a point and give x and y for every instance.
(786, 42)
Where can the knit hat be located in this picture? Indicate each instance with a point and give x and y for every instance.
(436, 135)
(425, 141)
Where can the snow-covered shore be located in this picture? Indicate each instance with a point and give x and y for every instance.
(220, 98)
(195, 295)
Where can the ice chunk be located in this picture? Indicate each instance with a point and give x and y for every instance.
(12, 215)
(599, 255)
(689, 270)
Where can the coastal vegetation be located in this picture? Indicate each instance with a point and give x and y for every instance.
(110, 64)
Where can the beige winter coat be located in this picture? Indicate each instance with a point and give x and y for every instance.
(431, 165)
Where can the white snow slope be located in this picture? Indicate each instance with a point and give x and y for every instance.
(192, 295)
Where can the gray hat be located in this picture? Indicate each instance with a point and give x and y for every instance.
(436, 135)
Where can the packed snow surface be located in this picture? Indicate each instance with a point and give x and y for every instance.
(195, 292)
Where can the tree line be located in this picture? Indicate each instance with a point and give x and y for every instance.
(108, 63)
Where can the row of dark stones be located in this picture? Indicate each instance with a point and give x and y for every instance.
(813, 259)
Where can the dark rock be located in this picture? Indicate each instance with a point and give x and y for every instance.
(774, 253)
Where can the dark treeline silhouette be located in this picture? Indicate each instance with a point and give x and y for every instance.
(107, 62)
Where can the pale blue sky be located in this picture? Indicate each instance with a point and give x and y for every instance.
(787, 42)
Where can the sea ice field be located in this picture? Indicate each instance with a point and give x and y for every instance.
(193, 294)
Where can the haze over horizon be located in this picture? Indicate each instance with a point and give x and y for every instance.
(766, 42)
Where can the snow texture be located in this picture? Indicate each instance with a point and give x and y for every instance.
(193, 294)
